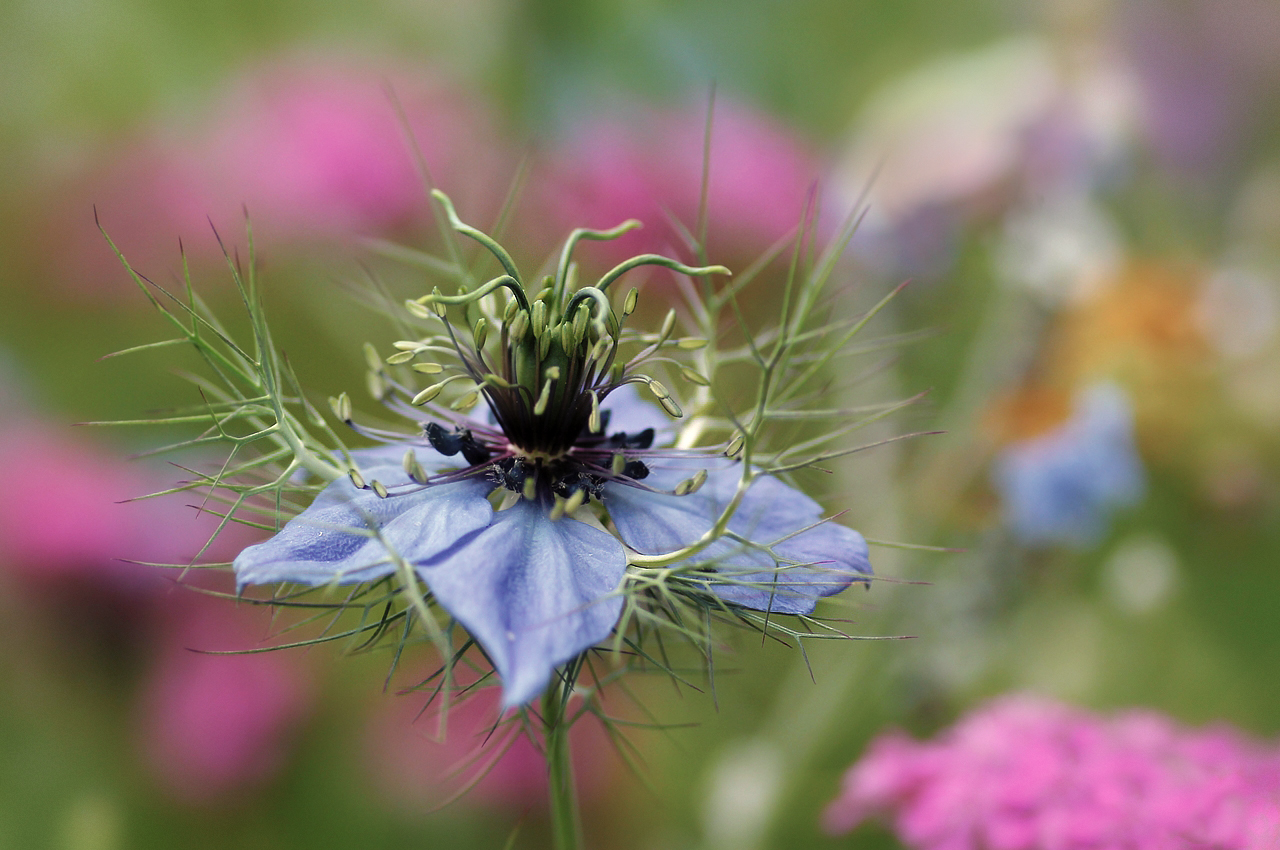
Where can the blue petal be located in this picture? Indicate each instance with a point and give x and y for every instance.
(1063, 486)
(534, 593)
(813, 558)
(331, 540)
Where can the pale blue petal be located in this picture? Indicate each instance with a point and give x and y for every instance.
(331, 540)
(813, 558)
(534, 593)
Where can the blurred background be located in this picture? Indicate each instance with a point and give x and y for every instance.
(1085, 197)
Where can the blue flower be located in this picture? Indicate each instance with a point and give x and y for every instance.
(524, 524)
(1063, 486)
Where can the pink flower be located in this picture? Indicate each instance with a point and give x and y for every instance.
(65, 516)
(1025, 773)
(648, 165)
(214, 725)
(310, 147)
(496, 767)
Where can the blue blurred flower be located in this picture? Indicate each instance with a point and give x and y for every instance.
(1063, 486)
(523, 526)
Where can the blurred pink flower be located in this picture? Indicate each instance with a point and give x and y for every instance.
(648, 165)
(67, 519)
(311, 147)
(215, 725)
(1210, 74)
(416, 771)
(1025, 773)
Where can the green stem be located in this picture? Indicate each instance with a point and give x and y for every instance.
(565, 823)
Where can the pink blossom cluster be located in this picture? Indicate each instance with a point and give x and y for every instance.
(1026, 773)
(75, 543)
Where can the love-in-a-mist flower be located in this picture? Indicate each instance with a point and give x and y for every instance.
(534, 521)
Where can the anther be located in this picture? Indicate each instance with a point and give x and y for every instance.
(629, 304)
(371, 357)
(529, 489)
(692, 485)
(575, 500)
(379, 488)
(693, 377)
(428, 394)
(376, 386)
(341, 407)
(480, 332)
(594, 421)
(413, 468)
(735, 445)
(357, 480)
(618, 463)
(428, 368)
(401, 357)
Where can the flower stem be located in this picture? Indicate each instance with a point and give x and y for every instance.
(565, 823)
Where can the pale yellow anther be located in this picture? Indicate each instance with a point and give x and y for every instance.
(691, 343)
(379, 488)
(575, 500)
(428, 394)
(413, 468)
(538, 319)
(693, 377)
(530, 488)
(480, 332)
(567, 340)
(408, 344)
(401, 357)
(427, 368)
(668, 325)
(593, 421)
(540, 406)
(466, 402)
(629, 304)
(735, 445)
(552, 372)
(558, 508)
(357, 480)
(692, 485)
(617, 463)
(519, 326)
(371, 357)
(376, 386)
(417, 310)
(341, 407)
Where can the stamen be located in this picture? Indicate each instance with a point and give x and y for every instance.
(692, 485)
(372, 358)
(376, 385)
(379, 488)
(427, 368)
(593, 422)
(617, 463)
(480, 332)
(629, 304)
(341, 407)
(357, 480)
(413, 468)
(693, 377)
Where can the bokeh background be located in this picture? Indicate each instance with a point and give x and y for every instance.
(1085, 197)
